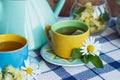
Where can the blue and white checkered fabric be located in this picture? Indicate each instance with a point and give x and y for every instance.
(110, 56)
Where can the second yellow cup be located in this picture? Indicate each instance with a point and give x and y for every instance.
(66, 35)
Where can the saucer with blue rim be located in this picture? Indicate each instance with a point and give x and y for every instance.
(48, 55)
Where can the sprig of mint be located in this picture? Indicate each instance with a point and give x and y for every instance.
(95, 60)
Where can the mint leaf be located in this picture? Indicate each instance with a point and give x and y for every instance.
(105, 15)
(86, 59)
(91, 57)
(96, 61)
(78, 11)
(76, 53)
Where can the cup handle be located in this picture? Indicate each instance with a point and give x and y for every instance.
(47, 28)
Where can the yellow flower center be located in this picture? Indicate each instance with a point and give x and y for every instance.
(29, 70)
(90, 48)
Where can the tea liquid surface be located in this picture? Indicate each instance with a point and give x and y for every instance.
(10, 46)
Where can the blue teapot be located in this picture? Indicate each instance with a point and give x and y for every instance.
(28, 18)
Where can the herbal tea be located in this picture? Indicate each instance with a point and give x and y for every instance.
(10, 46)
(72, 30)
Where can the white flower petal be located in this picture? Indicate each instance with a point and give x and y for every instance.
(93, 40)
(92, 54)
(97, 53)
(83, 53)
(84, 44)
(87, 41)
(98, 48)
(97, 42)
(23, 68)
(26, 63)
(82, 47)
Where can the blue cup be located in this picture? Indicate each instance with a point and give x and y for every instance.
(12, 53)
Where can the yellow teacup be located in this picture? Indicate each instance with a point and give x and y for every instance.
(66, 35)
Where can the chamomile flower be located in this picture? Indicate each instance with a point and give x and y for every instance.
(11, 73)
(31, 70)
(91, 47)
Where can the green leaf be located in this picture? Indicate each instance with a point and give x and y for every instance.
(86, 59)
(104, 16)
(78, 11)
(96, 61)
(91, 57)
(76, 53)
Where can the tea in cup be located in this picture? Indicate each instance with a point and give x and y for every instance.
(13, 50)
(66, 35)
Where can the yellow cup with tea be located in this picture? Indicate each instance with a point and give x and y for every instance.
(13, 50)
(66, 35)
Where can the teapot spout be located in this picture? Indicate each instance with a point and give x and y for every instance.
(58, 7)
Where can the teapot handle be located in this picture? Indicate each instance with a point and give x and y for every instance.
(58, 7)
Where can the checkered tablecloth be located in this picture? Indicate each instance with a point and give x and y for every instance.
(110, 56)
